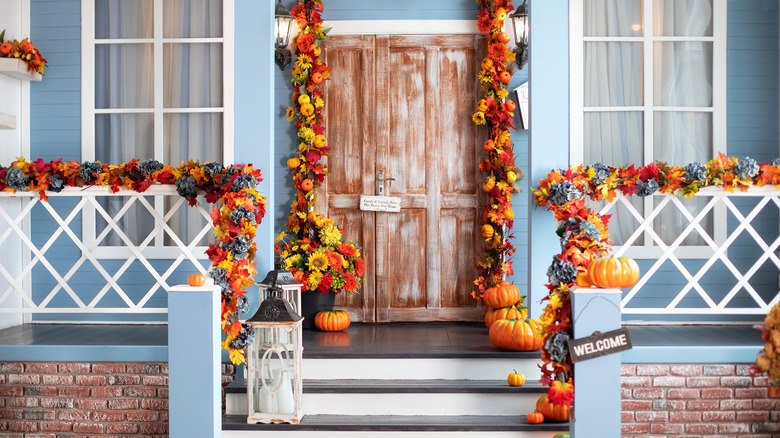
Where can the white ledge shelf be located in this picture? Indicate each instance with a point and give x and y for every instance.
(17, 69)
(7, 121)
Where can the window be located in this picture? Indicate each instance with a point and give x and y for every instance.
(157, 83)
(644, 88)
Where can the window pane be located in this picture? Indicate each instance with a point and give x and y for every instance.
(192, 18)
(124, 76)
(682, 17)
(682, 73)
(121, 137)
(613, 138)
(193, 137)
(682, 137)
(612, 18)
(670, 222)
(124, 19)
(613, 74)
(193, 75)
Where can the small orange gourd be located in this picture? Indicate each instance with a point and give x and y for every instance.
(516, 334)
(502, 295)
(293, 162)
(515, 379)
(535, 418)
(332, 320)
(196, 280)
(610, 272)
(306, 185)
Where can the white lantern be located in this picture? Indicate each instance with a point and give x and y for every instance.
(282, 278)
(274, 382)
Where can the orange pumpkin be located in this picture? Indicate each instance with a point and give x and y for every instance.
(535, 418)
(307, 185)
(316, 77)
(509, 214)
(550, 411)
(490, 145)
(503, 37)
(504, 77)
(502, 295)
(487, 231)
(319, 141)
(196, 280)
(516, 334)
(307, 109)
(332, 320)
(509, 105)
(509, 312)
(515, 379)
(611, 272)
(294, 162)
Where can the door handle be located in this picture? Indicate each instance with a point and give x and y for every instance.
(380, 183)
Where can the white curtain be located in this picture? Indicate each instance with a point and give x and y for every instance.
(192, 78)
(613, 73)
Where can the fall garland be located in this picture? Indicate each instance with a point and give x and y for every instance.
(583, 232)
(499, 164)
(235, 223)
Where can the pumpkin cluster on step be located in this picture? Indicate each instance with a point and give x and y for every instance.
(546, 411)
(508, 321)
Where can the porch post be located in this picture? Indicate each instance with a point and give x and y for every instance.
(194, 380)
(597, 381)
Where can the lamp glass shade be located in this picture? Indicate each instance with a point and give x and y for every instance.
(282, 26)
(520, 24)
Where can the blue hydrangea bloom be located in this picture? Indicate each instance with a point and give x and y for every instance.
(242, 213)
(186, 187)
(220, 277)
(242, 305)
(16, 179)
(776, 162)
(646, 188)
(561, 271)
(694, 172)
(243, 182)
(239, 248)
(89, 170)
(602, 173)
(563, 192)
(148, 167)
(213, 169)
(232, 170)
(244, 337)
(557, 346)
(56, 183)
(590, 230)
(746, 168)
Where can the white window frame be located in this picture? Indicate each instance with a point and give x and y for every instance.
(649, 250)
(88, 111)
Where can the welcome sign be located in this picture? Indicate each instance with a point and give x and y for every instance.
(599, 344)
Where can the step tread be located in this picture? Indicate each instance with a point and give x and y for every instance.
(392, 423)
(409, 386)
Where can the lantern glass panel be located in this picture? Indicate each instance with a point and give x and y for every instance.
(273, 374)
(283, 26)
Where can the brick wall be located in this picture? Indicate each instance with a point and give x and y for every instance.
(711, 400)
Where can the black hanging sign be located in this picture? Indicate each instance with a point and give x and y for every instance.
(599, 344)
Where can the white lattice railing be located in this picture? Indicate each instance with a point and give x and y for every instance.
(68, 264)
(733, 267)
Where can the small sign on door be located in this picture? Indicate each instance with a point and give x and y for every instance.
(389, 204)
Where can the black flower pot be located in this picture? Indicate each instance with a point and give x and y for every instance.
(313, 302)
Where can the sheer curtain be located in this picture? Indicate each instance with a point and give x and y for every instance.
(682, 77)
(192, 78)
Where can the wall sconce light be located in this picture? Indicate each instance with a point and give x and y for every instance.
(282, 27)
(520, 23)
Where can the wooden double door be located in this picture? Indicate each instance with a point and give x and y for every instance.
(399, 108)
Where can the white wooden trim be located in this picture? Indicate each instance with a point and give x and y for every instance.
(402, 27)
(153, 40)
(87, 80)
(576, 83)
(627, 39)
(228, 80)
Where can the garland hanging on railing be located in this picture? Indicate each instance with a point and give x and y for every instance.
(583, 232)
(235, 223)
(499, 167)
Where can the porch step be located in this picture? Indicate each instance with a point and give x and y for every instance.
(430, 426)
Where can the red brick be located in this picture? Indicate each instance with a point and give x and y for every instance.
(164, 415)
(74, 368)
(734, 405)
(88, 428)
(40, 367)
(685, 370)
(701, 428)
(74, 391)
(162, 405)
(23, 402)
(39, 414)
(626, 416)
(107, 391)
(761, 381)
(767, 404)
(143, 368)
(637, 405)
(155, 380)
(121, 428)
(57, 426)
(140, 391)
(58, 379)
(40, 435)
(73, 415)
(718, 393)
(743, 370)
(23, 426)
(683, 393)
(733, 428)
(33, 390)
(736, 381)
(108, 416)
(703, 382)
(141, 416)
(666, 428)
(766, 427)
(629, 382)
(753, 416)
(13, 391)
(651, 416)
(625, 393)
(91, 404)
(703, 405)
(11, 367)
(750, 392)
(164, 368)
(625, 370)
(668, 381)
(668, 405)
(162, 392)
(123, 404)
(719, 370)
(124, 380)
(12, 414)
(152, 428)
(57, 402)
(718, 416)
(90, 380)
(652, 370)
(685, 417)
(635, 428)
(108, 368)
(24, 379)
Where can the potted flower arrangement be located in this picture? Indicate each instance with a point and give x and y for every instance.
(23, 50)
